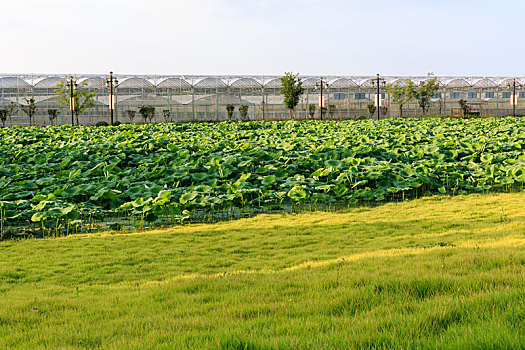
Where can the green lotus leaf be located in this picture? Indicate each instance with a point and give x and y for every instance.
(486, 158)
(199, 177)
(45, 181)
(334, 163)
(268, 180)
(187, 197)
(39, 159)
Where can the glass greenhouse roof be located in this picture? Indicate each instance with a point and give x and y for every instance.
(40, 81)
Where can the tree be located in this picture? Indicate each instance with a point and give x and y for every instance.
(131, 114)
(371, 109)
(425, 92)
(401, 93)
(3, 116)
(243, 111)
(166, 114)
(83, 98)
(291, 89)
(29, 109)
(147, 112)
(53, 114)
(465, 108)
(311, 109)
(229, 109)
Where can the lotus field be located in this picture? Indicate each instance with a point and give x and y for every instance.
(65, 179)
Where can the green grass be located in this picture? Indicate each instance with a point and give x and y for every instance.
(437, 272)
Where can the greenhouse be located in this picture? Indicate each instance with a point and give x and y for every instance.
(204, 98)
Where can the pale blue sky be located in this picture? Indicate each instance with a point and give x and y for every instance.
(329, 37)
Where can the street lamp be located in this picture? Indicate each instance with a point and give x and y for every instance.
(513, 99)
(111, 82)
(71, 84)
(378, 82)
(321, 84)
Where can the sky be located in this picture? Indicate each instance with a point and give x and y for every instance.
(263, 37)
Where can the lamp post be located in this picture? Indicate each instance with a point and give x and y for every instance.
(71, 84)
(377, 82)
(111, 82)
(513, 99)
(320, 85)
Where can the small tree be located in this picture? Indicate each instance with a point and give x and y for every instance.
(10, 110)
(331, 110)
(131, 114)
(166, 114)
(147, 112)
(229, 109)
(311, 109)
(383, 110)
(465, 108)
(291, 89)
(371, 109)
(243, 111)
(29, 109)
(83, 98)
(3, 116)
(425, 92)
(401, 93)
(53, 114)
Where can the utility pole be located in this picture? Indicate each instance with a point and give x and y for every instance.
(321, 84)
(71, 84)
(112, 83)
(513, 99)
(377, 81)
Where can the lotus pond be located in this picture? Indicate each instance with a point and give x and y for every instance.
(66, 179)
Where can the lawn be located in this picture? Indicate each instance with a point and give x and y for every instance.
(436, 272)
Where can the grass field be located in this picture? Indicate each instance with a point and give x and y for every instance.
(437, 272)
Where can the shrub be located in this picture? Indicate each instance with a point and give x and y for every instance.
(166, 114)
(53, 114)
(311, 110)
(229, 109)
(116, 123)
(147, 112)
(383, 110)
(102, 123)
(3, 116)
(371, 109)
(131, 114)
(243, 111)
(331, 110)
